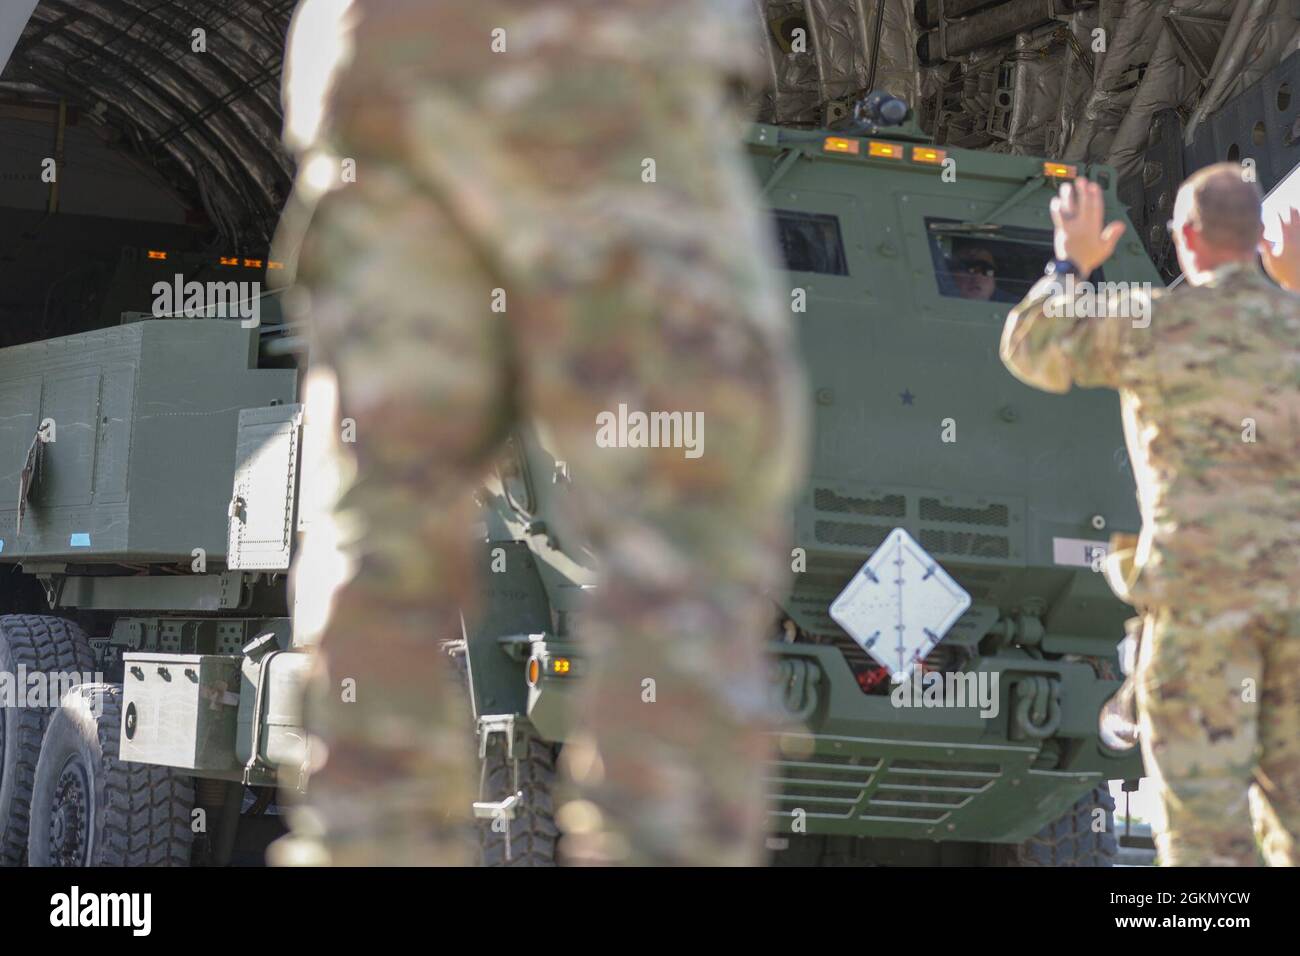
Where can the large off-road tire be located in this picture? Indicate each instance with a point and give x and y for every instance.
(49, 645)
(534, 837)
(91, 809)
(1071, 840)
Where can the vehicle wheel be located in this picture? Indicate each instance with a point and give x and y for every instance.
(89, 808)
(42, 644)
(534, 836)
(1071, 840)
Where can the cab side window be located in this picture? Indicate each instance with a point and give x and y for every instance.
(986, 263)
(810, 242)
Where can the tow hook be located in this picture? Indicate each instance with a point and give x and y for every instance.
(794, 688)
(1036, 709)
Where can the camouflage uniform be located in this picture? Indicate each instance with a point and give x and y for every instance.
(522, 171)
(1217, 566)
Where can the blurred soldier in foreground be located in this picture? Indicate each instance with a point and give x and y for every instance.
(549, 218)
(1209, 382)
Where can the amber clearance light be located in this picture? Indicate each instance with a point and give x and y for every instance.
(838, 144)
(1060, 170)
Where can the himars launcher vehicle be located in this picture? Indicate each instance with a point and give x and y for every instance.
(162, 517)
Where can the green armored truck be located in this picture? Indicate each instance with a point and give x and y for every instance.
(902, 260)
(149, 505)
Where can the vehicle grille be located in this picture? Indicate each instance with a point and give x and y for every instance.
(949, 527)
(926, 791)
(932, 509)
(871, 788)
(888, 506)
(965, 543)
(853, 535)
(825, 786)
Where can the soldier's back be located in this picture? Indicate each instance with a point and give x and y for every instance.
(1214, 389)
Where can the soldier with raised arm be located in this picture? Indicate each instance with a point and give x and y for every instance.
(1209, 383)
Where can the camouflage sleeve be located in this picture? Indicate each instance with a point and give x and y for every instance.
(1059, 337)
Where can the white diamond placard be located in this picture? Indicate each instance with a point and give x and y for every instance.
(900, 604)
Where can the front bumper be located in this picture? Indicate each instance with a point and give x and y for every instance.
(853, 764)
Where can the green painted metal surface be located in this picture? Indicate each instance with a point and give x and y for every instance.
(145, 418)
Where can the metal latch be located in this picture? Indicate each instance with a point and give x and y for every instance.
(490, 724)
(31, 472)
(503, 809)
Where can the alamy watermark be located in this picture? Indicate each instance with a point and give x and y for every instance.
(214, 300)
(636, 429)
(965, 689)
(24, 688)
(74, 908)
(1081, 299)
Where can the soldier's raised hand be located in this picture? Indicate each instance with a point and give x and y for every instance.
(1282, 261)
(1077, 213)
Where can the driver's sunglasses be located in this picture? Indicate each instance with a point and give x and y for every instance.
(974, 267)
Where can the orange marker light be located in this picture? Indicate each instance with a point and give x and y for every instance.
(561, 665)
(837, 144)
(885, 150)
(154, 254)
(272, 264)
(252, 263)
(534, 671)
(1060, 170)
(229, 260)
(927, 154)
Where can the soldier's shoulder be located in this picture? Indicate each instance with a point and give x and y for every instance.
(1186, 303)
(1285, 297)
(1249, 288)
(1178, 295)
(1243, 312)
(1253, 292)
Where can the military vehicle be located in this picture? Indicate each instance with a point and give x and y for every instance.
(153, 473)
(902, 260)
(130, 453)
